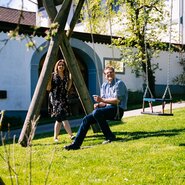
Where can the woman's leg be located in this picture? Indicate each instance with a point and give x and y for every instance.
(57, 128)
(67, 127)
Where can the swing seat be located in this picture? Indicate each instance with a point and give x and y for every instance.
(157, 113)
(163, 100)
(157, 99)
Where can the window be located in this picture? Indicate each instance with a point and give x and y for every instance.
(3, 94)
(116, 63)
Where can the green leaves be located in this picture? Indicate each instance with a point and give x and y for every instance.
(52, 31)
(13, 34)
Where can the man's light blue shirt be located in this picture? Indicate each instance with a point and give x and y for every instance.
(115, 89)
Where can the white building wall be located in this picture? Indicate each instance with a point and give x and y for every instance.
(104, 51)
(15, 74)
(169, 67)
(15, 69)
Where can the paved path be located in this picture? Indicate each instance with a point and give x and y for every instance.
(158, 108)
(75, 123)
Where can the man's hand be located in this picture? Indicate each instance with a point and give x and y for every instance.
(99, 105)
(96, 105)
(97, 98)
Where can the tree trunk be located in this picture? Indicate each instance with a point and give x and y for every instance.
(150, 79)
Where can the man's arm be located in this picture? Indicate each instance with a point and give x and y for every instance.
(104, 101)
(113, 101)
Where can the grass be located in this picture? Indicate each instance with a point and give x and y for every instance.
(149, 150)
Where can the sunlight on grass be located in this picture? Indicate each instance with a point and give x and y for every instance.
(149, 150)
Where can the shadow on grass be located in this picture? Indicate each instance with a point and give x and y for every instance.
(75, 130)
(182, 144)
(49, 144)
(127, 136)
(121, 136)
(1, 182)
(140, 135)
(9, 140)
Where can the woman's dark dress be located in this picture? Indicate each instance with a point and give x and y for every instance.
(58, 98)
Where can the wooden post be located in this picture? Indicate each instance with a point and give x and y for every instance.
(34, 108)
(77, 77)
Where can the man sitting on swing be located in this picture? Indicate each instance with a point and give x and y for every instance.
(110, 105)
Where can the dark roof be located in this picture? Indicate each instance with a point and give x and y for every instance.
(26, 29)
(16, 16)
(9, 20)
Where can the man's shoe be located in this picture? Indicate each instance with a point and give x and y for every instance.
(106, 141)
(109, 140)
(71, 147)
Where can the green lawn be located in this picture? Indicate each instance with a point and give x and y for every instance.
(149, 150)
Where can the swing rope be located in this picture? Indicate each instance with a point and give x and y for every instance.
(181, 37)
(169, 56)
(92, 38)
(93, 45)
(110, 29)
(146, 57)
(117, 117)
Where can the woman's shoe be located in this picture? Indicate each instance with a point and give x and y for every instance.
(72, 137)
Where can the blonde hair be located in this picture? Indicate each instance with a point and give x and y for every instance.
(66, 74)
(56, 66)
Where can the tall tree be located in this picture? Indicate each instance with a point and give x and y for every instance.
(139, 25)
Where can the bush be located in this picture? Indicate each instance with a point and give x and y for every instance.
(135, 99)
(11, 123)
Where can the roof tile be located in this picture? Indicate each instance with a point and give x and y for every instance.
(13, 16)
